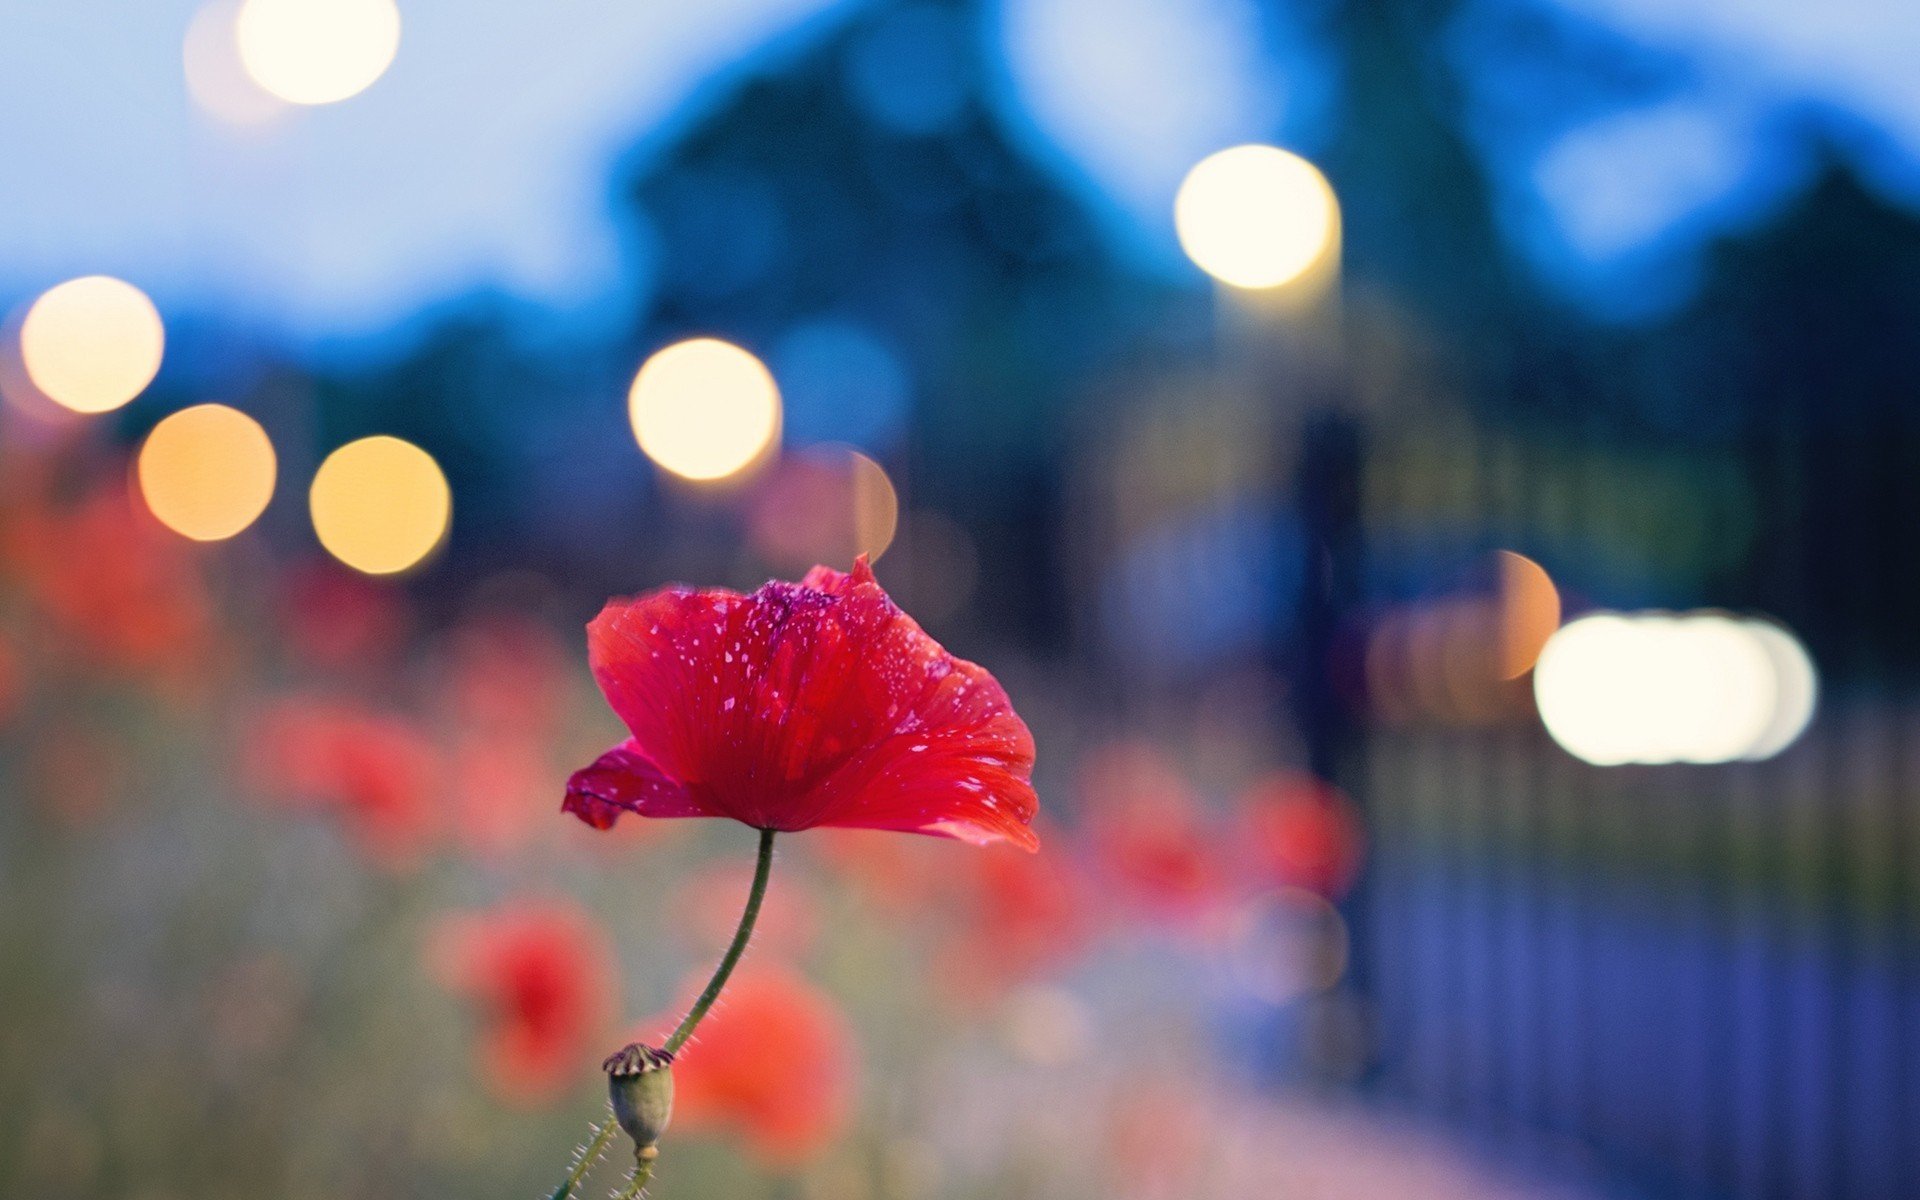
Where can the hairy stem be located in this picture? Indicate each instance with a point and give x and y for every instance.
(643, 1171)
(637, 1182)
(584, 1160)
(761, 871)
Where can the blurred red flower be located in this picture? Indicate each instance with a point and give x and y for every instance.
(498, 791)
(113, 583)
(541, 976)
(13, 680)
(1018, 916)
(772, 1064)
(802, 705)
(506, 676)
(377, 770)
(1299, 831)
(1149, 836)
(339, 620)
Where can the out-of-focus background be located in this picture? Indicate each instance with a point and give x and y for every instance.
(1441, 479)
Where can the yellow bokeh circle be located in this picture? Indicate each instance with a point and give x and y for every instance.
(380, 504)
(317, 51)
(207, 472)
(1256, 216)
(92, 344)
(704, 409)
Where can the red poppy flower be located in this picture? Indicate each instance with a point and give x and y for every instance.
(1018, 917)
(802, 705)
(377, 770)
(773, 1064)
(1151, 840)
(340, 620)
(540, 975)
(12, 680)
(113, 584)
(1302, 832)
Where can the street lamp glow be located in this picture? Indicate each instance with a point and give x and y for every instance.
(1256, 216)
(1798, 689)
(380, 505)
(1701, 687)
(1588, 682)
(207, 472)
(704, 409)
(216, 79)
(317, 51)
(92, 344)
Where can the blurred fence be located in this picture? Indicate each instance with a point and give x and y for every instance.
(1703, 974)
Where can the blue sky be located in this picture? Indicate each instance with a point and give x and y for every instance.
(481, 159)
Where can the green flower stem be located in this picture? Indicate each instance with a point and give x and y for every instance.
(761, 871)
(590, 1154)
(583, 1162)
(637, 1182)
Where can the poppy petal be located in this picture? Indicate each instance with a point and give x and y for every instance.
(624, 780)
(817, 703)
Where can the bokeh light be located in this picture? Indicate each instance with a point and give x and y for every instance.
(704, 409)
(1797, 689)
(1661, 688)
(207, 472)
(216, 79)
(1256, 216)
(92, 344)
(317, 51)
(876, 507)
(1588, 684)
(1460, 660)
(1286, 944)
(380, 505)
(825, 504)
(1529, 613)
(44, 419)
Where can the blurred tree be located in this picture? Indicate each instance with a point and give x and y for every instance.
(865, 180)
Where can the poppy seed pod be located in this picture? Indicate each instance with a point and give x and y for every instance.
(640, 1084)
